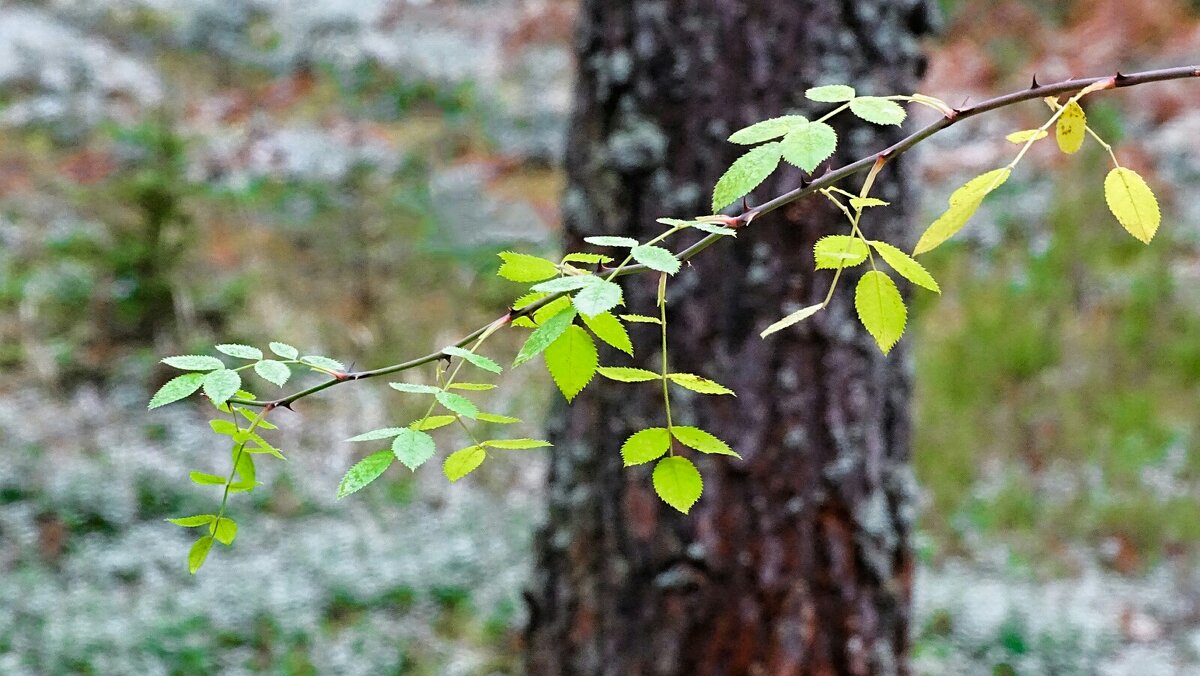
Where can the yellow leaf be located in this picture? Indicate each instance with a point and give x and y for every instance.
(1132, 202)
(1071, 128)
(880, 308)
(1023, 136)
(963, 204)
(795, 317)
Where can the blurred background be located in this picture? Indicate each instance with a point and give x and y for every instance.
(338, 175)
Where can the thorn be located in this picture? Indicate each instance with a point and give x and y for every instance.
(288, 406)
(1034, 84)
(1120, 77)
(745, 204)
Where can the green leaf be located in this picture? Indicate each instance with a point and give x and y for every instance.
(517, 444)
(702, 441)
(880, 308)
(906, 266)
(607, 240)
(434, 422)
(476, 360)
(641, 319)
(646, 445)
(562, 284)
(457, 403)
(471, 387)
(655, 258)
(194, 521)
(809, 145)
(587, 258)
(794, 318)
(323, 362)
(273, 371)
(226, 427)
(609, 329)
(518, 267)
(220, 385)
(572, 361)
(964, 202)
(364, 472)
(839, 251)
(878, 110)
(550, 309)
(262, 424)
(715, 229)
(225, 531)
(376, 435)
(245, 472)
(678, 482)
(497, 418)
(1071, 128)
(746, 173)
(462, 462)
(194, 362)
(179, 387)
(545, 334)
(240, 351)
(695, 383)
(598, 298)
(834, 93)
(413, 448)
(1132, 202)
(198, 553)
(203, 479)
(284, 350)
(626, 374)
(413, 388)
(768, 129)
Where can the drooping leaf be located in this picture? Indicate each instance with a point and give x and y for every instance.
(413, 388)
(794, 318)
(702, 441)
(412, 447)
(376, 435)
(497, 418)
(273, 371)
(608, 240)
(746, 173)
(646, 445)
(205, 479)
(518, 267)
(880, 308)
(678, 482)
(598, 298)
(626, 374)
(656, 258)
(194, 521)
(476, 360)
(434, 422)
(695, 383)
(641, 319)
(572, 361)
(906, 266)
(964, 202)
(839, 251)
(198, 553)
(1132, 202)
(834, 93)
(284, 350)
(194, 362)
(364, 472)
(240, 351)
(545, 334)
(457, 403)
(1071, 128)
(878, 110)
(517, 444)
(225, 531)
(767, 129)
(810, 145)
(323, 362)
(1021, 137)
(179, 387)
(462, 462)
(222, 384)
(609, 329)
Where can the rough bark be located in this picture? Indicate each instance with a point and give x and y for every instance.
(797, 559)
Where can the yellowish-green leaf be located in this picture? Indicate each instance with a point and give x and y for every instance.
(839, 251)
(964, 202)
(376, 435)
(517, 444)
(198, 553)
(645, 445)
(1132, 202)
(878, 110)
(695, 383)
(225, 530)
(205, 479)
(572, 361)
(434, 422)
(476, 360)
(497, 418)
(641, 319)
(587, 258)
(702, 441)
(472, 387)
(1020, 137)
(746, 173)
(794, 318)
(194, 521)
(678, 482)
(833, 93)
(1071, 128)
(626, 374)
(518, 267)
(463, 461)
(609, 329)
(809, 145)
(546, 333)
(768, 129)
(906, 266)
(880, 308)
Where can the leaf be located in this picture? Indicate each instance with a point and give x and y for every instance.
(194, 362)
(768, 129)
(550, 309)
(376, 435)
(646, 445)
(587, 258)
(225, 531)
(561, 284)
(284, 350)
(457, 403)
(273, 371)
(220, 385)
(471, 387)
(598, 298)
(198, 553)
(549, 331)
(323, 362)
(1071, 128)
(1023, 136)
(194, 521)
(860, 203)
(607, 240)
(412, 447)
(497, 418)
(433, 422)
(518, 267)
(204, 479)
(609, 329)
(880, 308)
(226, 427)
(809, 145)
(794, 318)
(906, 266)
(364, 472)
(517, 444)
(1132, 202)
(413, 388)
(626, 374)
(572, 361)
(878, 110)
(745, 174)
(695, 383)
(678, 482)
(240, 351)
(702, 441)
(244, 466)
(655, 258)
(839, 251)
(964, 202)
(462, 462)
(641, 319)
(715, 229)
(834, 93)
(476, 360)
(179, 387)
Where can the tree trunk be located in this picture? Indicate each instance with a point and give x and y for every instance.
(797, 558)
